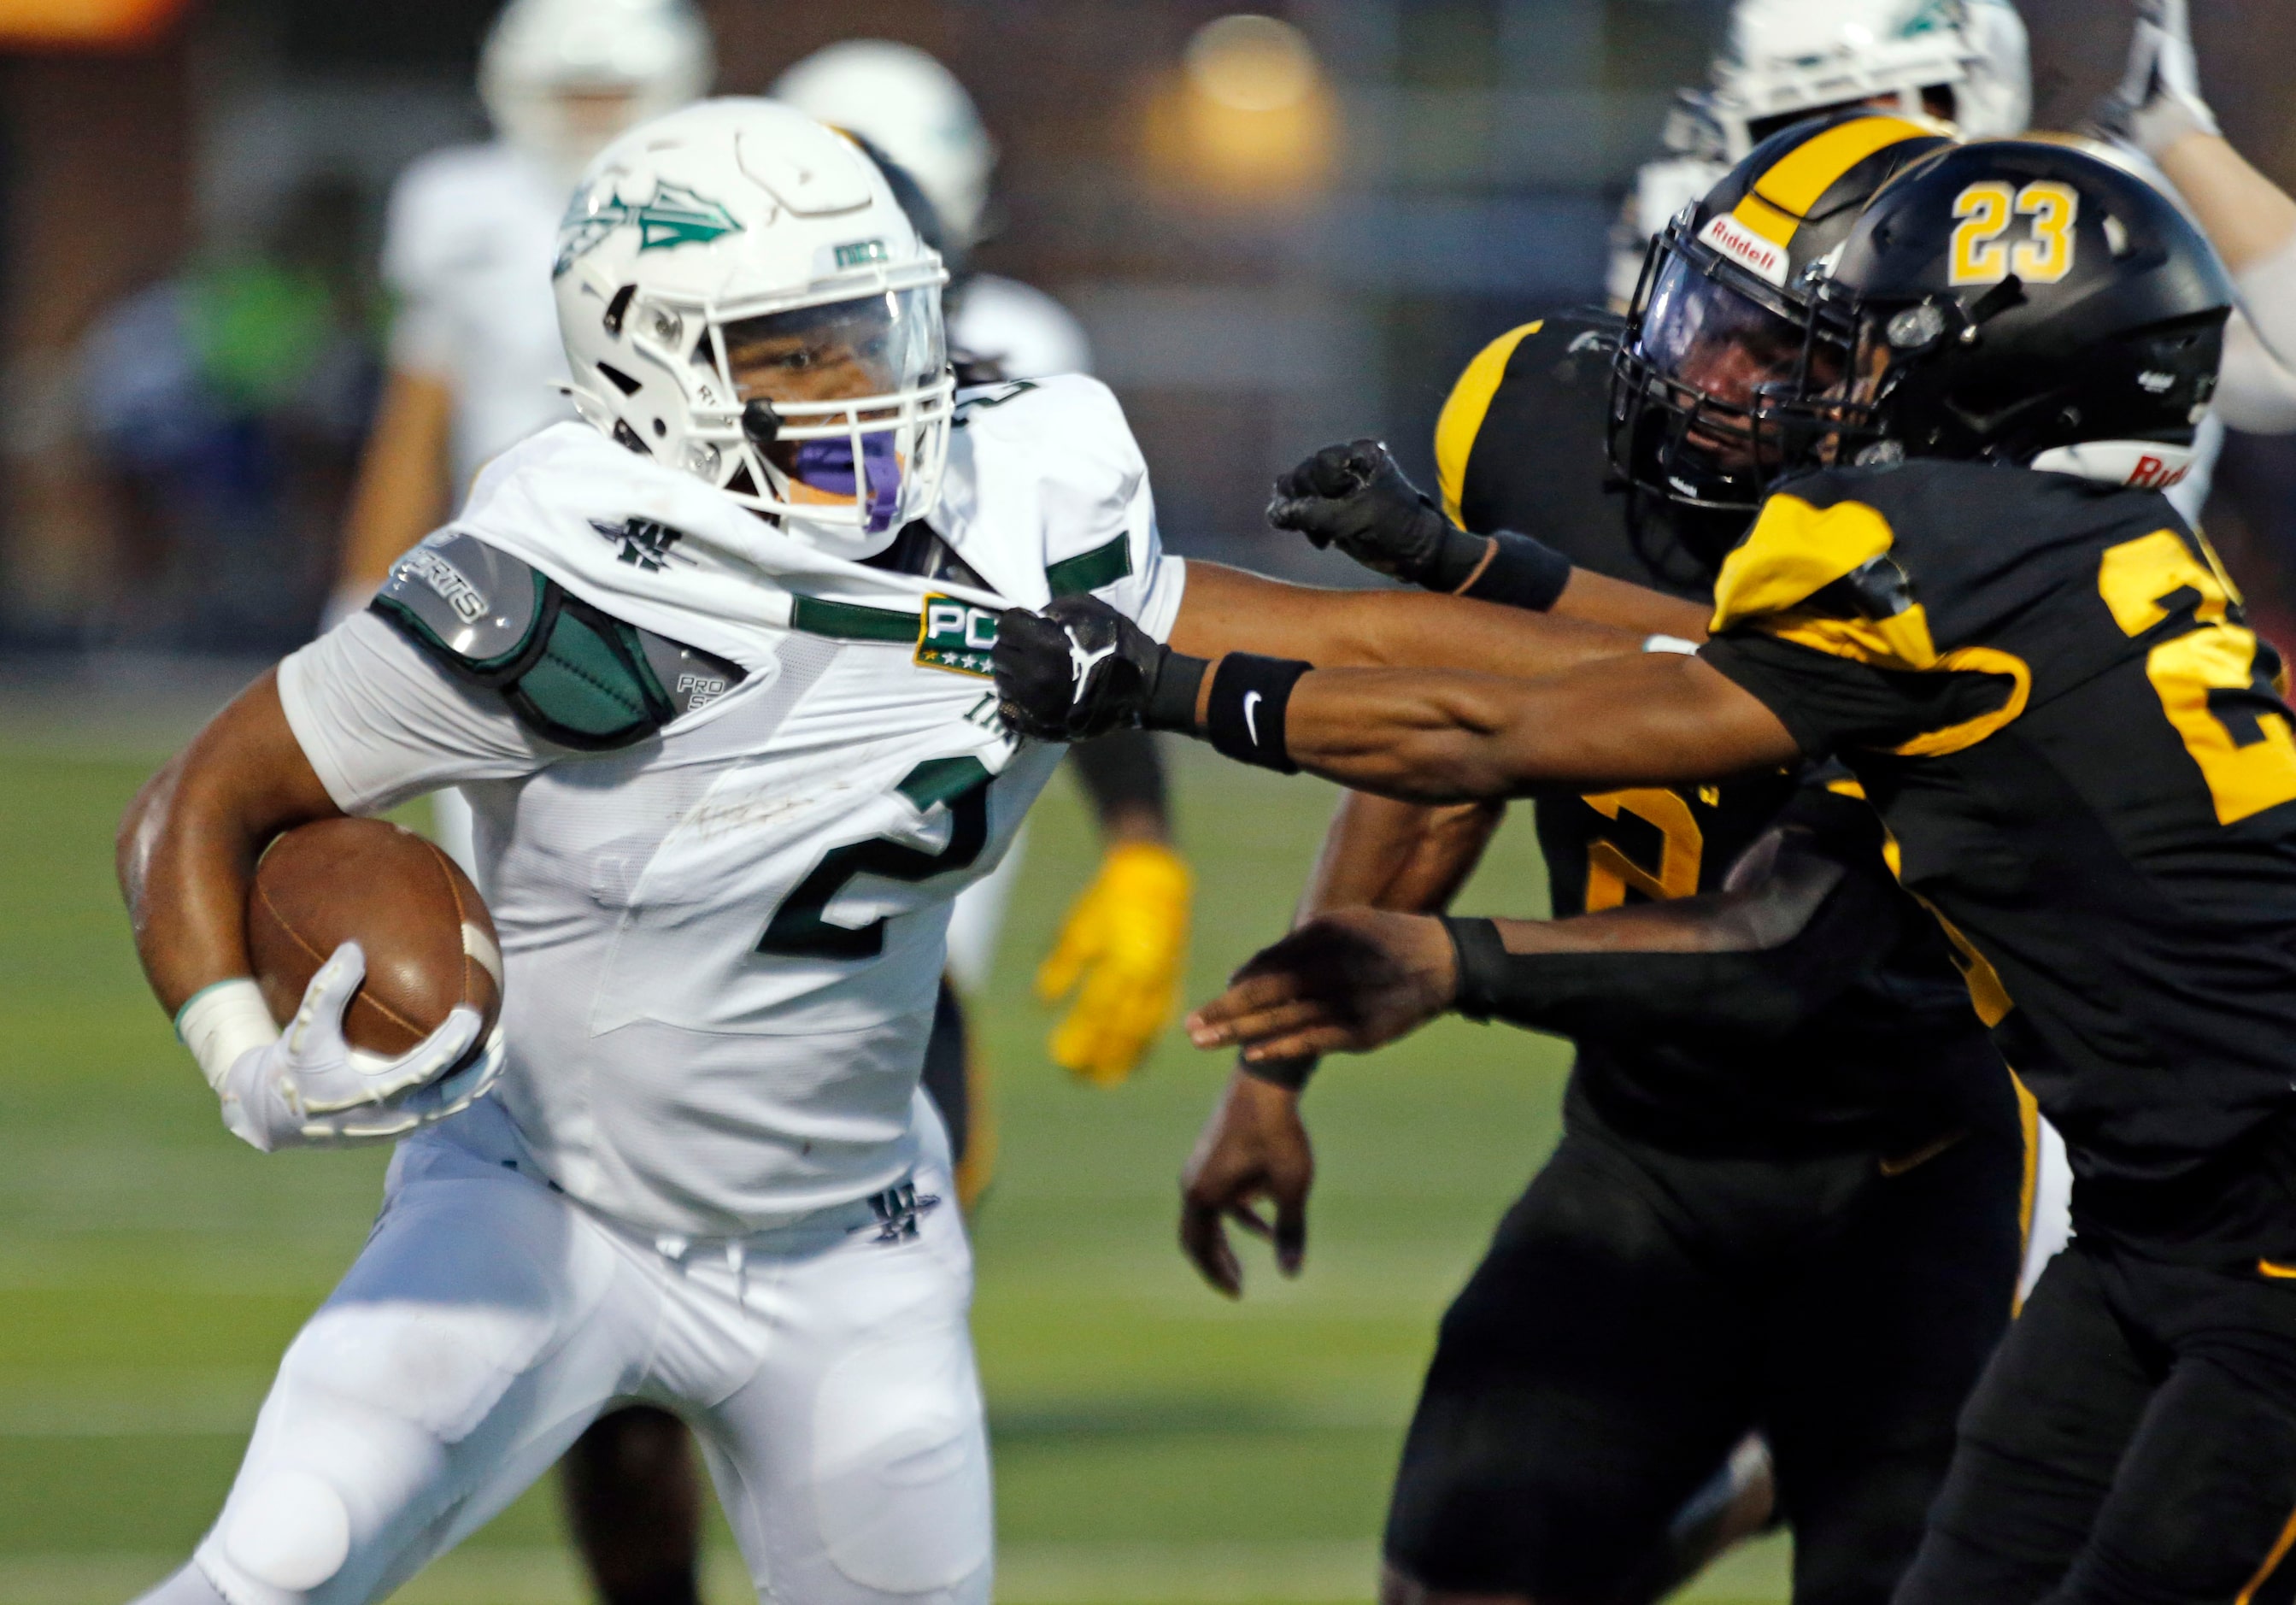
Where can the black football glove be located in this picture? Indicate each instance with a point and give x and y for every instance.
(1355, 497)
(1077, 669)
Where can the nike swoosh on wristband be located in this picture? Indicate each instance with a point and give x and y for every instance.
(1250, 710)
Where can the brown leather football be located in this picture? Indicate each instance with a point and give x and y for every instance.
(428, 940)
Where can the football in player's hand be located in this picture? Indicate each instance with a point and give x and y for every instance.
(428, 940)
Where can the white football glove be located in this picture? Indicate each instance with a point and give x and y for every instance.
(2159, 101)
(307, 1086)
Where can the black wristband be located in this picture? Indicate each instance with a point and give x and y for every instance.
(1522, 573)
(1457, 555)
(1291, 1075)
(1172, 703)
(1245, 719)
(1482, 960)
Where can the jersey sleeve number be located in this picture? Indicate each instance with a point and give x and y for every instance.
(1986, 210)
(1611, 873)
(2192, 673)
(798, 929)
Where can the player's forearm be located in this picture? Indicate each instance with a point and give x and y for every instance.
(1597, 599)
(1761, 961)
(1656, 718)
(2246, 216)
(1384, 854)
(401, 491)
(1226, 610)
(187, 848)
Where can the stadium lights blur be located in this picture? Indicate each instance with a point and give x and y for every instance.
(1252, 63)
(1251, 116)
(84, 24)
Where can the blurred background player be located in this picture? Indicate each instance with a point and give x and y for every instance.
(476, 365)
(1966, 63)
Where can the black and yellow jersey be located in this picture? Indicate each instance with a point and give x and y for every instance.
(2048, 690)
(1892, 1051)
(1523, 445)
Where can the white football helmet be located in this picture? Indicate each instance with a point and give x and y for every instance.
(1966, 64)
(562, 77)
(742, 296)
(909, 105)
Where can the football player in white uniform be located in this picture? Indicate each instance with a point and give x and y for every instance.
(714, 667)
(728, 772)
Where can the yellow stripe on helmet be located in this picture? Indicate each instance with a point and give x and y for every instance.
(1782, 198)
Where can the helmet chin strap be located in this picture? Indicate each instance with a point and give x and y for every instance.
(2137, 464)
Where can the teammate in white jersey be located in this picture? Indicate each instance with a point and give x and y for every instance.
(476, 365)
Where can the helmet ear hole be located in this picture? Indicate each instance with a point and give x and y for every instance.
(617, 308)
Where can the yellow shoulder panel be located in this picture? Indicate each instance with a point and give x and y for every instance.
(1463, 412)
(1794, 552)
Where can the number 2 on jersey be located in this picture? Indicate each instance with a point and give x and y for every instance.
(798, 929)
(1609, 872)
(2191, 672)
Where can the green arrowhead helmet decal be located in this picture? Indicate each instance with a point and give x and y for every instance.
(676, 216)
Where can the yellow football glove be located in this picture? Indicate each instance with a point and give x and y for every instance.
(1120, 953)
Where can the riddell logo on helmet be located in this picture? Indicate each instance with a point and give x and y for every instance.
(1724, 233)
(2151, 473)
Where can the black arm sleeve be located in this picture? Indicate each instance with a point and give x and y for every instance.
(1826, 916)
(1121, 770)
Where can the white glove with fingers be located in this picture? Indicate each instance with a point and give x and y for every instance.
(2159, 101)
(307, 1086)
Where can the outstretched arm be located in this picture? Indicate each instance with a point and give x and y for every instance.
(1656, 718)
(1227, 610)
(1356, 497)
(1805, 912)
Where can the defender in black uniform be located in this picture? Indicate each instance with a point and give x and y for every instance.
(2041, 677)
(1788, 1197)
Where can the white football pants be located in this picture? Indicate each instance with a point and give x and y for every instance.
(825, 1367)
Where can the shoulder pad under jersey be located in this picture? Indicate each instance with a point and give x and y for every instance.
(571, 672)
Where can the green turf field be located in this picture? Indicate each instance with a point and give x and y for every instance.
(1153, 1442)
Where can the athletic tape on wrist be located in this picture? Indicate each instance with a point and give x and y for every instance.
(1522, 573)
(1245, 720)
(221, 1022)
(1482, 960)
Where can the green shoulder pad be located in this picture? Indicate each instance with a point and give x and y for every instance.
(572, 673)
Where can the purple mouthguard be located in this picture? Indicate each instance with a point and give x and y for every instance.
(828, 466)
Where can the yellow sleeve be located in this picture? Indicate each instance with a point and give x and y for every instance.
(1463, 412)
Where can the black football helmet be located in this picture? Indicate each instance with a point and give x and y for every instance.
(2007, 301)
(1719, 342)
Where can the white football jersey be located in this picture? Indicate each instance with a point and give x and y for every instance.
(467, 253)
(723, 942)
